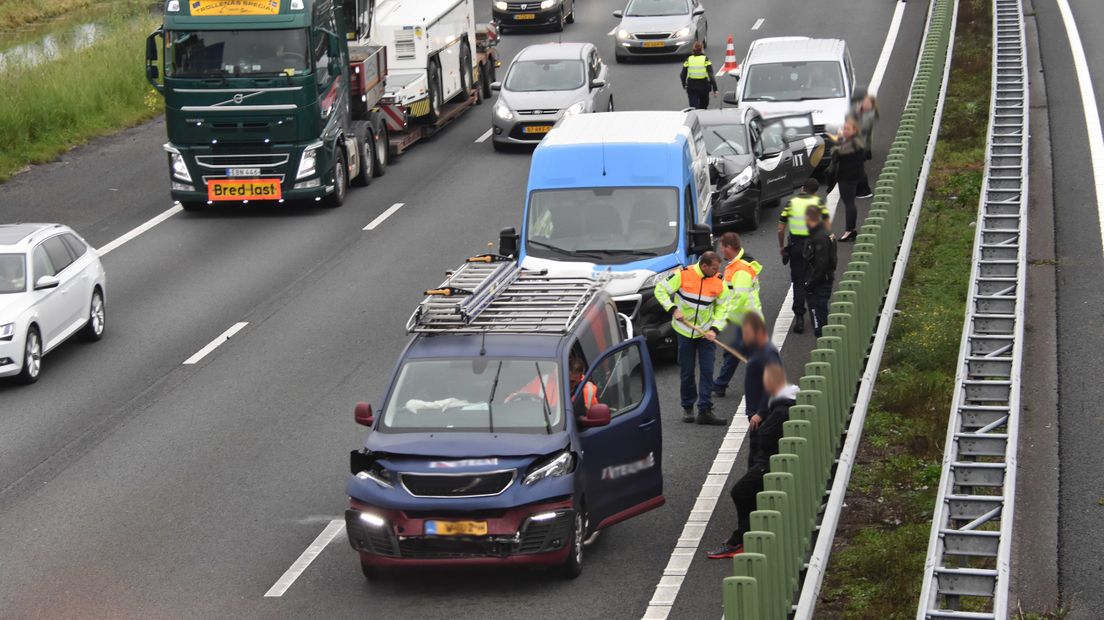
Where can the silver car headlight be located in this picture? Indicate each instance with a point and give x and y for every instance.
(622, 34)
(308, 163)
(7, 331)
(741, 181)
(502, 111)
(656, 278)
(560, 465)
(576, 108)
(179, 168)
(681, 33)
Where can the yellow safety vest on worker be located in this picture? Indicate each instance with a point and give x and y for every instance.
(696, 67)
(741, 280)
(794, 213)
(701, 299)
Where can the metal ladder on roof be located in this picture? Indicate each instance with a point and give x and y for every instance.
(969, 549)
(488, 294)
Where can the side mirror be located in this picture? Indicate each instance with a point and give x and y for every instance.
(618, 13)
(597, 83)
(598, 415)
(334, 68)
(701, 239)
(152, 73)
(698, 11)
(496, 85)
(508, 241)
(362, 413)
(46, 282)
(151, 48)
(730, 97)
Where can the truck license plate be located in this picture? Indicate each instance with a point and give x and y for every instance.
(524, 16)
(653, 44)
(243, 172)
(456, 528)
(537, 129)
(244, 189)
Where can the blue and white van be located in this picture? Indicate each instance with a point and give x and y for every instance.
(626, 193)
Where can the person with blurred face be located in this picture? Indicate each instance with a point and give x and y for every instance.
(848, 167)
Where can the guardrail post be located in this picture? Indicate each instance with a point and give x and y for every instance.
(753, 565)
(784, 483)
(741, 598)
(803, 497)
(765, 544)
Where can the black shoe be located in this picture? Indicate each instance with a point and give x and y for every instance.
(868, 194)
(705, 416)
(719, 392)
(688, 415)
(799, 324)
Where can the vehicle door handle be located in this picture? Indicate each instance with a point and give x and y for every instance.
(648, 423)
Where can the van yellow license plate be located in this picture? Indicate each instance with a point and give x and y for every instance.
(456, 528)
(244, 189)
(653, 44)
(537, 129)
(524, 16)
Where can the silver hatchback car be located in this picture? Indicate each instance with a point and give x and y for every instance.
(543, 84)
(659, 28)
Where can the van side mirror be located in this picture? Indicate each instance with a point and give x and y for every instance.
(730, 97)
(46, 282)
(496, 86)
(508, 241)
(701, 239)
(618, 13)
(596, 415)
(362, 413)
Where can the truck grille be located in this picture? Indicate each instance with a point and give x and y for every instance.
(478, 484)
(404, 45)
(265, 160)
(644, 36)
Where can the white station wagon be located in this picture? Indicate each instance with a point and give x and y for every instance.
(51, 286)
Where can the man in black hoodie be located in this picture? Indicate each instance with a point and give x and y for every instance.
(763, 445)
(820, 269)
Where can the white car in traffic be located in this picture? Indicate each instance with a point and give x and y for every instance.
(52, 285)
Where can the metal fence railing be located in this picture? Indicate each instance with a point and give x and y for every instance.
(967, 567)
(792, 519)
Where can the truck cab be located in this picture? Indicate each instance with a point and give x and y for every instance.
(626, 194)
(520, 421)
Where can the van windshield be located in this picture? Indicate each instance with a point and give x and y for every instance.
(609, 224)
(234, 53)
(476, 395)
(794, 81)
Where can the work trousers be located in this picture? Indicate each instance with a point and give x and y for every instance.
(729, 362)
(699, 99)
(743, 495)
(817, 296)
(701, 353)
(847, 192)
(797, 273)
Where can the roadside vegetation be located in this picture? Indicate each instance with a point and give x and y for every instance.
(53, 106)
(878, 556)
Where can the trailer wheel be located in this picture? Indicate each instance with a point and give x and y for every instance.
(340, 177)
(433, 75)
(465, 71)
(382, 152)
(366, 168)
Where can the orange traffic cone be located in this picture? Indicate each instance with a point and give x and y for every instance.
(730, 65)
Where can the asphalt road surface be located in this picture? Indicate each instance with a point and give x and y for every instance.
(1080, 305)
(133, 486)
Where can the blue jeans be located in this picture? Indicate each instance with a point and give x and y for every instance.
(729, 362)
(701, 352)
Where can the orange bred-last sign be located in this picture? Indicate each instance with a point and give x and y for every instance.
(244, 189)
(205, 8)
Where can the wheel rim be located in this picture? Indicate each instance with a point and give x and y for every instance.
(33, 354)
(580, 534)
(381, 148)
(97, 315)
(366, 155)
(339, 177)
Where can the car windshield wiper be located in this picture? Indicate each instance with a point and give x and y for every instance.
(544, 393)
(490, 399)
(564, 251)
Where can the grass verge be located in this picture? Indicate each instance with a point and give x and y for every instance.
(51, 107)
(878, 556)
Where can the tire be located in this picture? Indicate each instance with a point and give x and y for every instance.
(609, 108)
(371, 573)
(466, 80)
(341, 182)
(382, 154)
(620, 59)
(571, 15)
(32, 357)
(97, 317)
(485, 83)
(573, 567)
(499, 146)
(366, 169)
(559, 27)
(433, 74)
(192, 207)
(752, 223)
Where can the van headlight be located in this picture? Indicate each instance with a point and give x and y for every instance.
(559, 465)
(681, 33)
(179, 168)
(741, 181)
(547, 4)
(656, 278)
(308, 163)
(503, 112)
(576, 108)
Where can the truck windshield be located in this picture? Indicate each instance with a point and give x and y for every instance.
(13, 273)
(476, 395)
(542, 75)
(794, 81)
(235, 53)
(603, 222)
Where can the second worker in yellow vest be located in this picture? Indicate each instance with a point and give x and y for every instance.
(697, 78)
(696, 298)
(741, 280)
(792, 220)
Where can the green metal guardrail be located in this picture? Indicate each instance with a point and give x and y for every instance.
(768, 574)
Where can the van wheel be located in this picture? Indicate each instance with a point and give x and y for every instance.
(32, 357)
(574, 565)
(383, 151)
(366, 170)
(340, 176)
(97, 318)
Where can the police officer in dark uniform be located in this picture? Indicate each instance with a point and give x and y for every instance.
(792, 220)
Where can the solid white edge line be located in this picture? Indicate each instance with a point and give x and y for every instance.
(216, 343)
(610, 33)
(666, 591)
(818, 559)
(154, 221)
(483, 138)
(1088, 104)
(758, 23)
(383, 216)
(332, 529)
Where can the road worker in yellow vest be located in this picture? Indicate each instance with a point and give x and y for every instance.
(792, 220)
(697, 301)
(741, 280)
(697, 77)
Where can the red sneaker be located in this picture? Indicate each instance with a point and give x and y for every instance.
(725, 551)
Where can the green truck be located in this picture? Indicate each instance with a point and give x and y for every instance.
(282, 100)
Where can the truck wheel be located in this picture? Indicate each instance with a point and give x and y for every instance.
(485, 80)
(465, 72)
(192, 207)
(383, 150)
(340, 176)
(366, 169)
(433, 76)
(574, 565)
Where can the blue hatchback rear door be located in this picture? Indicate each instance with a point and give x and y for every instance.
(622, 462)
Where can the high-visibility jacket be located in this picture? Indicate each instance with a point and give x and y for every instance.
(741, 280)
(696, 67)
(794, 213)
(702, 300)
(590, 396)
(590, 391)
